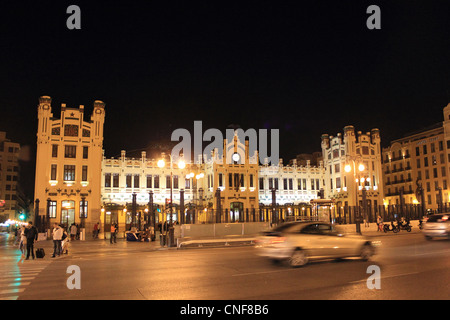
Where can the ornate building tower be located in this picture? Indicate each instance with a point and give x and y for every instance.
(353, 167)
(236, 176)
(68, 164)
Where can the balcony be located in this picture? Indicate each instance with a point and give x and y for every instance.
(398, 181)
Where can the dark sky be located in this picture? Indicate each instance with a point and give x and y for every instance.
(304, 67)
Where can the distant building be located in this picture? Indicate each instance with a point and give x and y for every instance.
(419, 160)
(294, 184)
(9, 177)
(68, 164)
(313, 159)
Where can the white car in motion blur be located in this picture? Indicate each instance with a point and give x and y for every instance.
(299, 242)
(437, 225)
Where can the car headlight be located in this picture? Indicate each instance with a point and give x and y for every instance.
(376, 243)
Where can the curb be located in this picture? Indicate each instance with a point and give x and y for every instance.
(212, 243)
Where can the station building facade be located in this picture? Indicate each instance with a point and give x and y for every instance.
(76, 183)
(238, 190)
(68, 164)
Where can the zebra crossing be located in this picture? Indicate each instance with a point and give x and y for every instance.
(17, 274)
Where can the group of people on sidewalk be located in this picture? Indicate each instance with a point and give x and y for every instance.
(28, 234)
(61, 239)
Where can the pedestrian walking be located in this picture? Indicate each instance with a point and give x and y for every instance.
(95, 232)
(113, 233)
(22, 240)
(73, 231)
(366, 223)
(17, 236)
(57, 239)
(65, 243)
(31, 235)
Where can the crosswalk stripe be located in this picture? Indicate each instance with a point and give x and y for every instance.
(28, 274)
(7, 291)
(16, 278)
(14, 284)
(23, 272)
(9, 298)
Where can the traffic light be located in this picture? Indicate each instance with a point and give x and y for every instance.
(22, 216)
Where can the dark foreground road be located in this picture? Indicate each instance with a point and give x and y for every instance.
(411, 268)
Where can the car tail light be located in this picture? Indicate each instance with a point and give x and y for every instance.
(278, 240)
(444, 218)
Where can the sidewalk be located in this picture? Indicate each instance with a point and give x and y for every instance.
(371, 230)
(100, 246)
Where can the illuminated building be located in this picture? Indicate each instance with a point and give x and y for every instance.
(9, 176)
(353, 168)
(294, 184)
(244, 185)
(419, 160)
(68, 164)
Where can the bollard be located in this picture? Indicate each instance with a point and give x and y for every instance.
(82, 234)
(162, 240)
(171, 237)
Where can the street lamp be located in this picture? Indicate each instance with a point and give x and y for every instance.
(181, 164)
(361, 168)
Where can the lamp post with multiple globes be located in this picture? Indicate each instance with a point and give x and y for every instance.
(161, 164)
(358, 178)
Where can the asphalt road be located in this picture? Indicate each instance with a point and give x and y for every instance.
(410, 268)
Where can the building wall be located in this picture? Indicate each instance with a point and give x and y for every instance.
(9, 176)
(294, 184)
(242, 184)
(123, 177)
(68, 163)
(238, 183)
(198, 181)
(421, 158)
(352, 150)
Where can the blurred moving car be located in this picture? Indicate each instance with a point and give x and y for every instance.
(298, 242)
(437, 225)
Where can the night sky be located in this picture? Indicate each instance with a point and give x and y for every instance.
(304, 67)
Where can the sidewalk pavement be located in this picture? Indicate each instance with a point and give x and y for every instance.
(100, 246)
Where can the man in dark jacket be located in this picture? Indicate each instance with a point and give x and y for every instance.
(31, 234)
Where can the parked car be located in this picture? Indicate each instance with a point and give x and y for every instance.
(437, 225)
(299, 242)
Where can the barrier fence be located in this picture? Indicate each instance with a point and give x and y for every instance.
(340, 215)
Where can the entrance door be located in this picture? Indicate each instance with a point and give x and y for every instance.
(67, 213)
(236, 211)
(111, 217)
